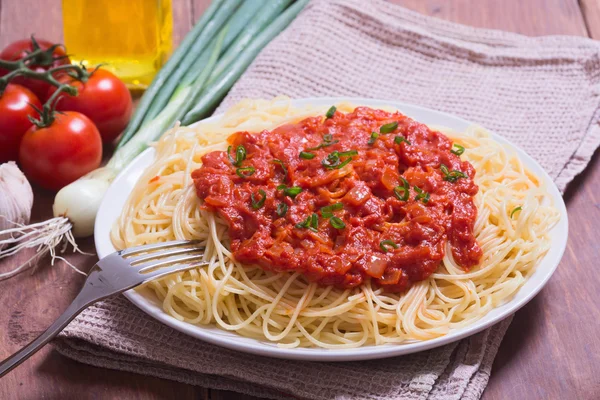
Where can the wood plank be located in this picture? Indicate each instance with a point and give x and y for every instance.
(591, 14)
(530, 17)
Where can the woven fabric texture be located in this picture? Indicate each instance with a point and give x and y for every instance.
(540, 93)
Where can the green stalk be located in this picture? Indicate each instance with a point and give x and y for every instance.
(201, 33)
(238, 22)
(215, 91)
(259, 23)
(171, 113)
(210, 31)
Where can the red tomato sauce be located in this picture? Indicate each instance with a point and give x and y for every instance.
(390, 236)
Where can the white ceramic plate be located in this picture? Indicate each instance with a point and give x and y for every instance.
(119, 190)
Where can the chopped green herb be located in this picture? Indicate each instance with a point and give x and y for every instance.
(290, 191)
(452, 176)
(258, 204)
(333, 161)
(337, 223)
(400, 139)
(327, 141)
(515, 210)
(423, 196)
(245, 172)
(282, 209)
(311, 222)
(384, 244)
(402, 192)
(306, 155)
(331, 112)
(327, 211)
(374, 136)
(282, 165)
(240, 155)
(388, 128)
(459, 149)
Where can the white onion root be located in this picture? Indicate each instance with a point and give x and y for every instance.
(46, 237)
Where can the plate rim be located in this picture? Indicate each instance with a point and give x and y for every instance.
(236, 342)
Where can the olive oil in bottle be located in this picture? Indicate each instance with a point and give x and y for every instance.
(132, 38)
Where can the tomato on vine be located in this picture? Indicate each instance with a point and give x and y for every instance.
(60, 148)
(16, 107)
(51, 56)
(102, 97)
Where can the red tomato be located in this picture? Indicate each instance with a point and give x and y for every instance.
(103, 98)
(66, 150)
(19, 49)
(15, 107)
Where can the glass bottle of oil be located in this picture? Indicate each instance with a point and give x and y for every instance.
(132, 38)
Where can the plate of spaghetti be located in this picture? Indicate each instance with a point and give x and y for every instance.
(338, 229)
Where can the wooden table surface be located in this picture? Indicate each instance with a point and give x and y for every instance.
(551, 350)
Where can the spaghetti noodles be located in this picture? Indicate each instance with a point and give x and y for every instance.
(512, 226)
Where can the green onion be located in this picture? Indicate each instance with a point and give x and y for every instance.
(258, 204)
(374, 136)
(314, 222)
(330, 113)
(423, 196)
(282, 209)
(388, 128)
(245, 172)
(327, 141)
(333, 161)
(306, 155)
(240, 155)
(221, 84)
(402, 192)
(452, 176)
(290, 191)
(459, 149)
(400, 139)
(384, 244)
(337, 223)
(203, 31)
(327, 211)
(515, 210)
(282, 165)
(311, 222)
(348, 153)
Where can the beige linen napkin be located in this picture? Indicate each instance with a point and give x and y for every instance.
(541, 93)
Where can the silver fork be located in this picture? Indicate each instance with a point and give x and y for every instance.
(114, 274)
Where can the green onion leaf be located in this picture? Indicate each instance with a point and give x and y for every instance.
(258, 204)
(337, 223)
(290, 191)
(280, 163)
(240, 155)
(331, 112)
(332, 161)
(327, 211)
(515, 210)
(374, 136)
(423, 196)
(311, 222)
(402, 192)
(452, 176)
(384, 244)
(306, 155)
(327, 141)
(282, 209)
(245, 172)
(388, 128)
(459, 149)
(400, 139)
(348, 153)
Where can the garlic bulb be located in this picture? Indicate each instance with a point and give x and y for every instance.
(16, 199)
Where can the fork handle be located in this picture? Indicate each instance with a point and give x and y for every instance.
(78, 305)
